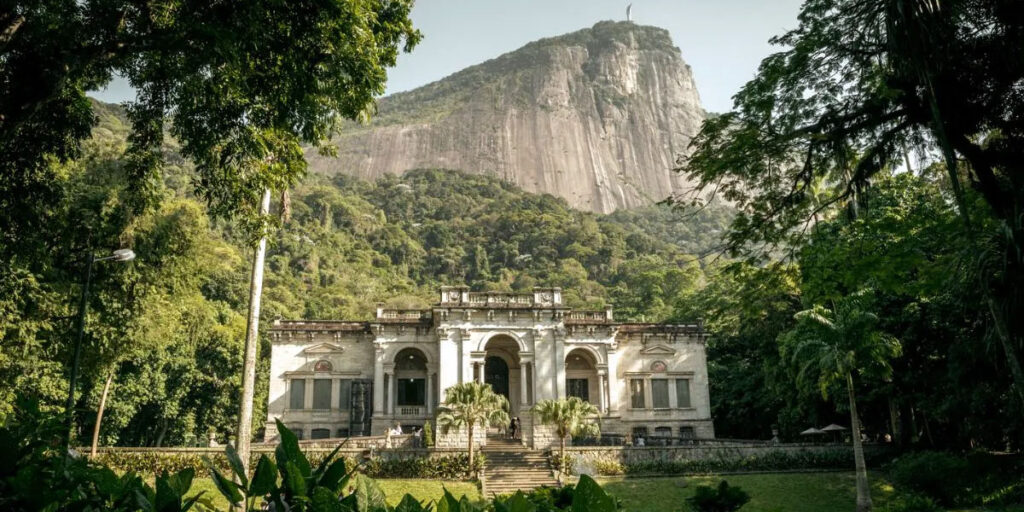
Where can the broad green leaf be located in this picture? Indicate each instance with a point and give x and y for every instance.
(264, 478)
(409, 504)
(236, 465)
(590, 497)
(369, 494)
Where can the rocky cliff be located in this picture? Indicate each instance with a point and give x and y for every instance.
(597, 116)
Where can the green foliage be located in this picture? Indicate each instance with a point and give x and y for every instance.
(585, 495)
(571, 417)
(447, 467)
(472, 405)
(36, 476)
(721, 499)
(940, 476)
(245, 87)
(911, 503)
(778, 460)
(428, 434)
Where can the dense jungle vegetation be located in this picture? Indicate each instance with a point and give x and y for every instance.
(170, 325)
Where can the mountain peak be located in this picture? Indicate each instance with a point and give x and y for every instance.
(597, 116)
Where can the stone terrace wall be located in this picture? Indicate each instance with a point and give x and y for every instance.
(699, 450)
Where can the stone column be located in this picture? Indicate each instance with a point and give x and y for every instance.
(430, 392)
(392, 391)
(613, 380)
(559, 340)
(524, 399)
(307, 400)
(378, 381)
(602, 405)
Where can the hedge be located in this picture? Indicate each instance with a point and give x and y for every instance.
(770, 461)
(446, 467)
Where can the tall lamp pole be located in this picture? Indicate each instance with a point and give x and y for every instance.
(118, 255)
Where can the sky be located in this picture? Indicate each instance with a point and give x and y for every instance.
(722, 40)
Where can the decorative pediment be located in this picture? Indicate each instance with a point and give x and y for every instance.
(661, 350)
(322, 349)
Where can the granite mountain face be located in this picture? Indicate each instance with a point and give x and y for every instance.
(597, 117)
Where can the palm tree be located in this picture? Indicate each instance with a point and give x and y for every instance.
(471, 404)
(831, 345)
(569, 416)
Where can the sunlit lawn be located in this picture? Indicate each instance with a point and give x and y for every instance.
(423, 490)
(770, 492)
(774, 492)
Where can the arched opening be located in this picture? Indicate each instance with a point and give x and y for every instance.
(411, 378)
(502, 369)
(581, 376)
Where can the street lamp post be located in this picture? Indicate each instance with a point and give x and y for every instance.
(118, 255)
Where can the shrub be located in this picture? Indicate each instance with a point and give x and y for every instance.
(722, 499)
(941, 476)
(609, 467)
(771, 461)
(428, 434)
(911, 503)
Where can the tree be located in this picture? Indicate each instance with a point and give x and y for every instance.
(570, 417)
(469, 405)
(833, 345)
(241, 81)
(859, 82)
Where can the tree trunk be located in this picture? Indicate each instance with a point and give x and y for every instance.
(863, 489)
(244, 432)
(99, 414)
(1008, 342)
(469, 429)
(561, 456)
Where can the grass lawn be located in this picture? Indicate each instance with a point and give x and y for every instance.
(772, 492)
(422, 490)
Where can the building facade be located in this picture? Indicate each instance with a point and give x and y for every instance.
(338, 379)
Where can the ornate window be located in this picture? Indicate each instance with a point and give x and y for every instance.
(659, 393)
(323, 366)
(636, 394)
(322, 393)
(297, 396)
(683, 393)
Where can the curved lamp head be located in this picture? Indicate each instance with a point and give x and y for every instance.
(123, 255)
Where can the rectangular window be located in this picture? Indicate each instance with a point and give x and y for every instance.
(639, 432)
(683, 393)
(579, 388)
(412, 391)
(320, 433)
(322, 393)
(636, 394)
(687, 433)
(659, 393)
(345, 395)
(297, 399)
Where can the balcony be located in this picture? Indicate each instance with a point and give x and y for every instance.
(410, 411)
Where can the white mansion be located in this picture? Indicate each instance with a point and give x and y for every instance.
(338, 379)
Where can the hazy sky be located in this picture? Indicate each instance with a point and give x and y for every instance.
(722, 40)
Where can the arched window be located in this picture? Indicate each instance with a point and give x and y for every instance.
(323, 366)
(411, 377)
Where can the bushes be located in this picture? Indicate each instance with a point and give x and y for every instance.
(448, 467)
(770, 461)
(911, 503)
(941, 476)
(951, 480)
(722, 499)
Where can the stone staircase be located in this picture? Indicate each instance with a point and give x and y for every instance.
(512, 466)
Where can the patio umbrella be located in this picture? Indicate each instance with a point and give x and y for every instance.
(812, 432)
(836, 430)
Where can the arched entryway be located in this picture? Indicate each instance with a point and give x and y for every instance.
(502, 369)
(581, 378)
(410, 382)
